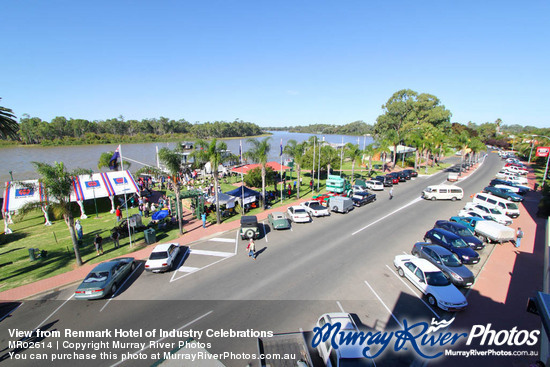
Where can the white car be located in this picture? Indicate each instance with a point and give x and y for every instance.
(163, 257)
(315, 209)
(514, 169)
(374, 185)
(347, 354)
(298, 214)
(518, 180)
(431, 281)
(357, 188)
(495, 214)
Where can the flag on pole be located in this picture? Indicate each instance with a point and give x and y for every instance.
(281, 154)
(113, 162)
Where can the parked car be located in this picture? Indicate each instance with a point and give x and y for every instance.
(298, 214)
(522, 190)
(470, 213)
(464, 232)
(394, 178)
(493, 213)
(163, 257)
(487, 230)
(515, 169)
(375, 185)
(105, 278)
(385, 180)
(250, 229)
(362, 198)
(315, 209)
(453, 243)
(347, 354)
(446, 261)
(431, 281)
(358, 188)
(277, 220)
(411, 172)
(507, 207)
(399, 177)
(404, 174)
(503, 193)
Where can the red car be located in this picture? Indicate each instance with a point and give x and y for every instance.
(394, 178)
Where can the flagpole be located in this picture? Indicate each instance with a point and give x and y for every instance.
(242, 177)
(313, 165)
(125, 200)
(281, 171)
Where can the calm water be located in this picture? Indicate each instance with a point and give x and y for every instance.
(18, 160)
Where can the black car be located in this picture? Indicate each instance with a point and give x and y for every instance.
(522, 189)
(401, 178)
(453, 243)
(386, 181)
(362, 198)
(446, 261)
(462, 231)
(404, 174)
(411, 172)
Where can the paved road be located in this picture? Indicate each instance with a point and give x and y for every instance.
(339, 263)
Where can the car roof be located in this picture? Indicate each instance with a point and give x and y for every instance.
(249, 219)
(437, 249)
(453, 224)
(277, 215)
(296, 207)
(423, 264)
(445, 232)
(108, 265)
(163, 247)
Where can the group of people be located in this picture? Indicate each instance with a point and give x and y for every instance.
(98, 240)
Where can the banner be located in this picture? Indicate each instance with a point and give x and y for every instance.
(17, 194)
(543, 151)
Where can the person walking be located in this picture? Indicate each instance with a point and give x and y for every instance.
(391, 193)
(251, 249)
(118, 214)
(98, 242)
(115, 236)
(78, 228)
(519, 236)
(311, 185)
(203, 217)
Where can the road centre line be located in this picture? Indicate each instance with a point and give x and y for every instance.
(211, 253)
(119, 288)
(181, 262)
(57, 309)
(383, 304)
(387, 215)
(161, 339)
(217, 239)
(419, 297)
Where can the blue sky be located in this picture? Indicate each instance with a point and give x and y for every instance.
(274, 63)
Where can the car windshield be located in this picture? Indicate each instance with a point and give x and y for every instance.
(511, 206)
(495, 211)
(437, 278)
(299, 211)
(158, 255)
(450, 260)
(458, 242)
(97, 277)
(463, 232)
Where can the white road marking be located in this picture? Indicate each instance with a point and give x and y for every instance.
(9, 313)
(180, 264)
(211, 253)
(57, 309)
(121, 286)
(221, 240)
(340, 306)
(383, 304)
(188, 269)
(419, 297)
(161, 339)
(384, 217)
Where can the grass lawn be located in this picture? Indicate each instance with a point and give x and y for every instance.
(17, 269)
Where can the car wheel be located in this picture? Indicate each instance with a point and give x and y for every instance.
(249, 233)
(113, 289)
(431, 300)
(400, 272)
(433, 198)
(453, 198)
(415, 253)
(335, 209)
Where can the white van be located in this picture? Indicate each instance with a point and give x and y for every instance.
(443, 192)
(509, 208)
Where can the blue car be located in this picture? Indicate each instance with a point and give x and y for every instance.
(462, 231)
(453, 243)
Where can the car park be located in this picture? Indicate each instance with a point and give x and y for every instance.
(522, 190)
(515, 169)
(386, 181)
(404, 174)
(462, 231)
(105, 278)
(362, 198)
(431, 281)
(453, 243)
(250, 229)
(394, 179)
(277, 220)
(374, 185)
(347, 354)
(443, 192)
(504, 206)
(493, 213)
(315, 209)
(470, 213)
(163, 257)
(503, 192)
(518, 180)
(411, 172)
(298, 214)
(400, 178)
(446, 261)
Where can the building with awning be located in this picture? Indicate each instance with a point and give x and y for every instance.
(275, 166)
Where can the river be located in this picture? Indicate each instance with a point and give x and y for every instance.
(18, 159)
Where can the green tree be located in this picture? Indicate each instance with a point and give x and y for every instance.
(258, 153)
(172, 162)
(353, 152)
(254, 177)
(104, 159)
(8, 125)
(296, 152)
(214, 153)
(58, 183)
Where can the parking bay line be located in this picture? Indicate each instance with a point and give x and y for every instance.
(420, 298)
(383, 304)
(221, 239)
(387, 215)
(211, 253)
(161, 339)
(121, 286)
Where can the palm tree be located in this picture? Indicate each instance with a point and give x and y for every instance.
(58, 184)
(8, 125)
(297, 153)
(370, 150)
(172, 162)
(353, 152)
(258, 153)
(212, 152)
(462, 141)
